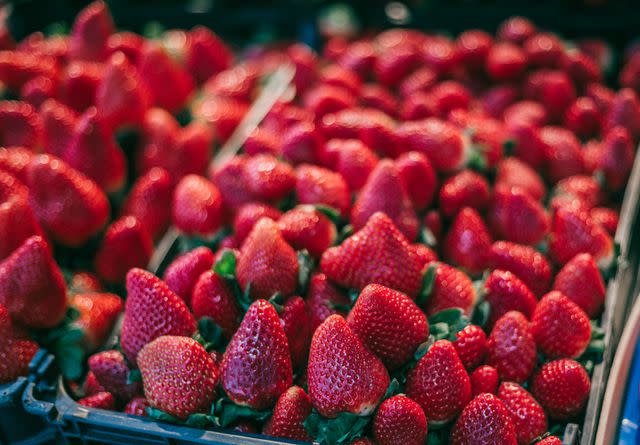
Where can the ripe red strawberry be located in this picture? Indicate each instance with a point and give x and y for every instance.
(178, 375)
(472, 48)
(197, 206)
(468, 242)
(137, 407)
(212, 297)
(151, 310)
(112, 373)
(562, 388)
(14, 160)
(465, 189)
(289, 414)
(425, 254)
(581, 67)
(376, 96)
(82, 282)
(91, 385)
(16, 349)
(301, 142)
(549, 440)
(31, 285)
(529, 146)
(573, 231)
(324, 99)
(516, 29)
(601, 95)
(528, 417)
(20, 125)
(262, 141)
(183, 272)
(267, 263)
(441, 399)
(417, 106)
(511, 347)
(400, 420)
(440, 141)
(126, 244)
(511, 172)
(505, 62)
(543, 50)
(90, 32)
(624, 111)
(295, 319)
(451, 288)
(236, 83)
(439, 53)
(343, 375)
(505, 292)
(433, 221)
(385, 192)
(606, 217)
(580, 187)
(353, 160)
(515, 216)
(378, 253)
(583, 118)
(78, 84)
(100, 400)
(560, 327)
(615, 158)
(230, 180)
(553, 89)
(306, 63)
(358, 56)
(389, 324)
(128, 43)
(38, 90)
(324, 300)
(449, 96)
(249, 214)
(581, 281)
(337, 76)
(223, 114)
(564, 156)
(17, 221)
(485, 420)
(256, 366)
(304, 227)
(418, 177)
(18, 67)
(484, 379)
(471, 346)
(316, 185)
(268, 178)
(121, 97)
(496, 100)
(98, 314)
(524, 262)
(206, 54)
(394, 63)
(58, 124)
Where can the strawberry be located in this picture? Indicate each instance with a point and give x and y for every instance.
(583, 118)
(126, 244)
(465, 189)
(206, 54)
(601, 95)
(151, 310)
(300, 143)
(112, 372)
(385, 192)
(267, 263)
(553, 89)
(468, 242)
(183, 272)
(471, 346)
(400, 420)
(517, 217)
(82, 282)
(289, 414)
(449, 96)
(90, 32)
(582, 68)
(512, 172)
(305, 61)
(20, 125)
(425, 254)
(16, 349)
(121, 97)
(394, 63)
(559, 327)
(377, 253)
(267, 178)
(149, 200)
(562, 388)
(229, 178)
(484, 379)
(17, 68)
(324, 300)
(249, 214)
(624, 111)
(93, 151)
(295, 319)
(137, 407)
(343, 375)
(564, 157)
(433, 221)
(212, 297)
(376, 96)
(421, 80)
(417, 106)
(606, 217)
(573, 231)
(31, 285)
(418, 177)
(91, 385)
(485, 420)
(78, 84)
(36, 91)
(178, 375)
(472, 48)
(505, 62)
(262, 141)
(439, 53)
(317, 185)
(100, 400)
(524, 262)
(358, 56)
(15, 160)
(256, 366)
(197, 206)
(549, 440)
(616, 158)
(324, 99)
(528, 417)
(452, 288)
(58, 124)
(516, 29)
(580, 187)
(496, 100)
(581, 281)
(529, 146)
(505, 292)
(304, 227)
(441, 399)
(511, 347)
(17, 221)
(353, 160)
(236, 83)
(128, 43)
(389, 324)
(543, 50)
(98, 314)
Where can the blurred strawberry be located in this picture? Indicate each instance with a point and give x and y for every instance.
(128, 43)
(525, 262)
(543, 50)
(324, 99)
(515, 216)
(301, 142)
(376, 96)
(418, 177)
(84, 282)
(473, 47)
(606, 217)
(624, 111)
(421, 79)
(583, 118)
(15, 160)
(183, 272)
(38, 90)
(505, 62)
(90, 32)
(581, 68)
(465, 189)
(197, 207)
(304, 227)
(615, 158)
(511, 172)
(563, 153)
(100, 400)
(268, 178)
(516, 29)
(580, 188)
(78, 84)
(16, 349)
(468, 242)
(18, 68)
(20, 125)
(353, 160)
(262, 141)
(98, 314)
(324, 300)
(317, 185)
(496, 100)
(58, 123)
(229, 178)
(295, 319)
(206, 54)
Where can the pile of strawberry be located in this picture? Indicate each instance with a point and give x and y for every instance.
(414, 246)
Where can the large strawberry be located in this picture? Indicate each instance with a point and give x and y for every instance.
(98, 314)
(441, 398)
(151, 310)
(468, 241)
(562, 388)
(317, 185)
(398, 421)
(31, 285)
(465, 189)
(580, 280)
(506, 292)
(451, 288)
(324, 300)
(197, 206)
(305, 227)
(516, 216)
(378, 253)
(484, 421)
(389, 324)
(16, 349)
(471, 346)
(289, 414)
(183, 272)
(90, 32)
(523, 261)
(212, 297)
(343, 375)
(256, 366)
(112, 372)
(511, 348)
(178, 375)
(528, 416)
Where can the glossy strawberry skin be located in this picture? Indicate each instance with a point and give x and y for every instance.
(111, 371)
(484, 420)
(505, 62)
(562, 388)
(98, 313)
(418, 176)
(183, 272)
(452, 288)
(207, 54)
(249, 214)
(20, 125)
(295, 318)
(506, 292)
(484, 379)
(607, 218)
(17, 348)
(400, 420)
(289, 414)
(468, 241)
(471, 346)
(304, 227)
(512, 172)
(354, 160)
(212, 297)
(580, 280)
(523, 261)
(528, 416)
(466, 189)
(256, 366)
(511, 347)
(17, 221)
(197, 206)
(616, 157)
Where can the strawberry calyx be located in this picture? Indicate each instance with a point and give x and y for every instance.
(595, 349)
(209, 334)
(331, 213)
(305, 269)
(446, 324)
(540, 438)
(188, 243)
(134, 376)
(226, 268)
(428, 280)
(224, 413)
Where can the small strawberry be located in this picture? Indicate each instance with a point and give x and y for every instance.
(100, 400)
(451, 288)
(304, 227)
(485, 420)
(394, 63)
(562, 388)
(268, 178)
(525, 112)
(441, 399)
(583, 118)
(580, 187)
(564, 156)
(471, 346)
(515, 216)
(606, 217)
(337, 76)
(624, 111)
(206, 54)
(112, 372)
(511, 172)
(178, 375)
(324, 300)
(528, 416)
(400, 420)
(465, 189)
(317, 185)
(378, 97)
(98, 314)
(580, 280)
(183, 272)
(58, 124)
(358, 56)
(83, 282)
(16, 349)
(343, 375)
(484, 379)
(267, 263)
(289, 414)
(353, 160)
(472, 48)
(212, 297)
(301, 143)
(378, 253)
(17, 221)
(137, 407)
(20, 125)
(516, 29)
(151, 310)
(511, 347)
(249, 214)
(295, 318)
(256, 366)
(197, 206)
(90, 32)
(306, 62)
(616, 158)
(505, 61)
(543, 50)
(524, 262)
(468, 242)
(91, 385)
(505, 292)
(418, 177)
(78, 84)
(559, 327)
